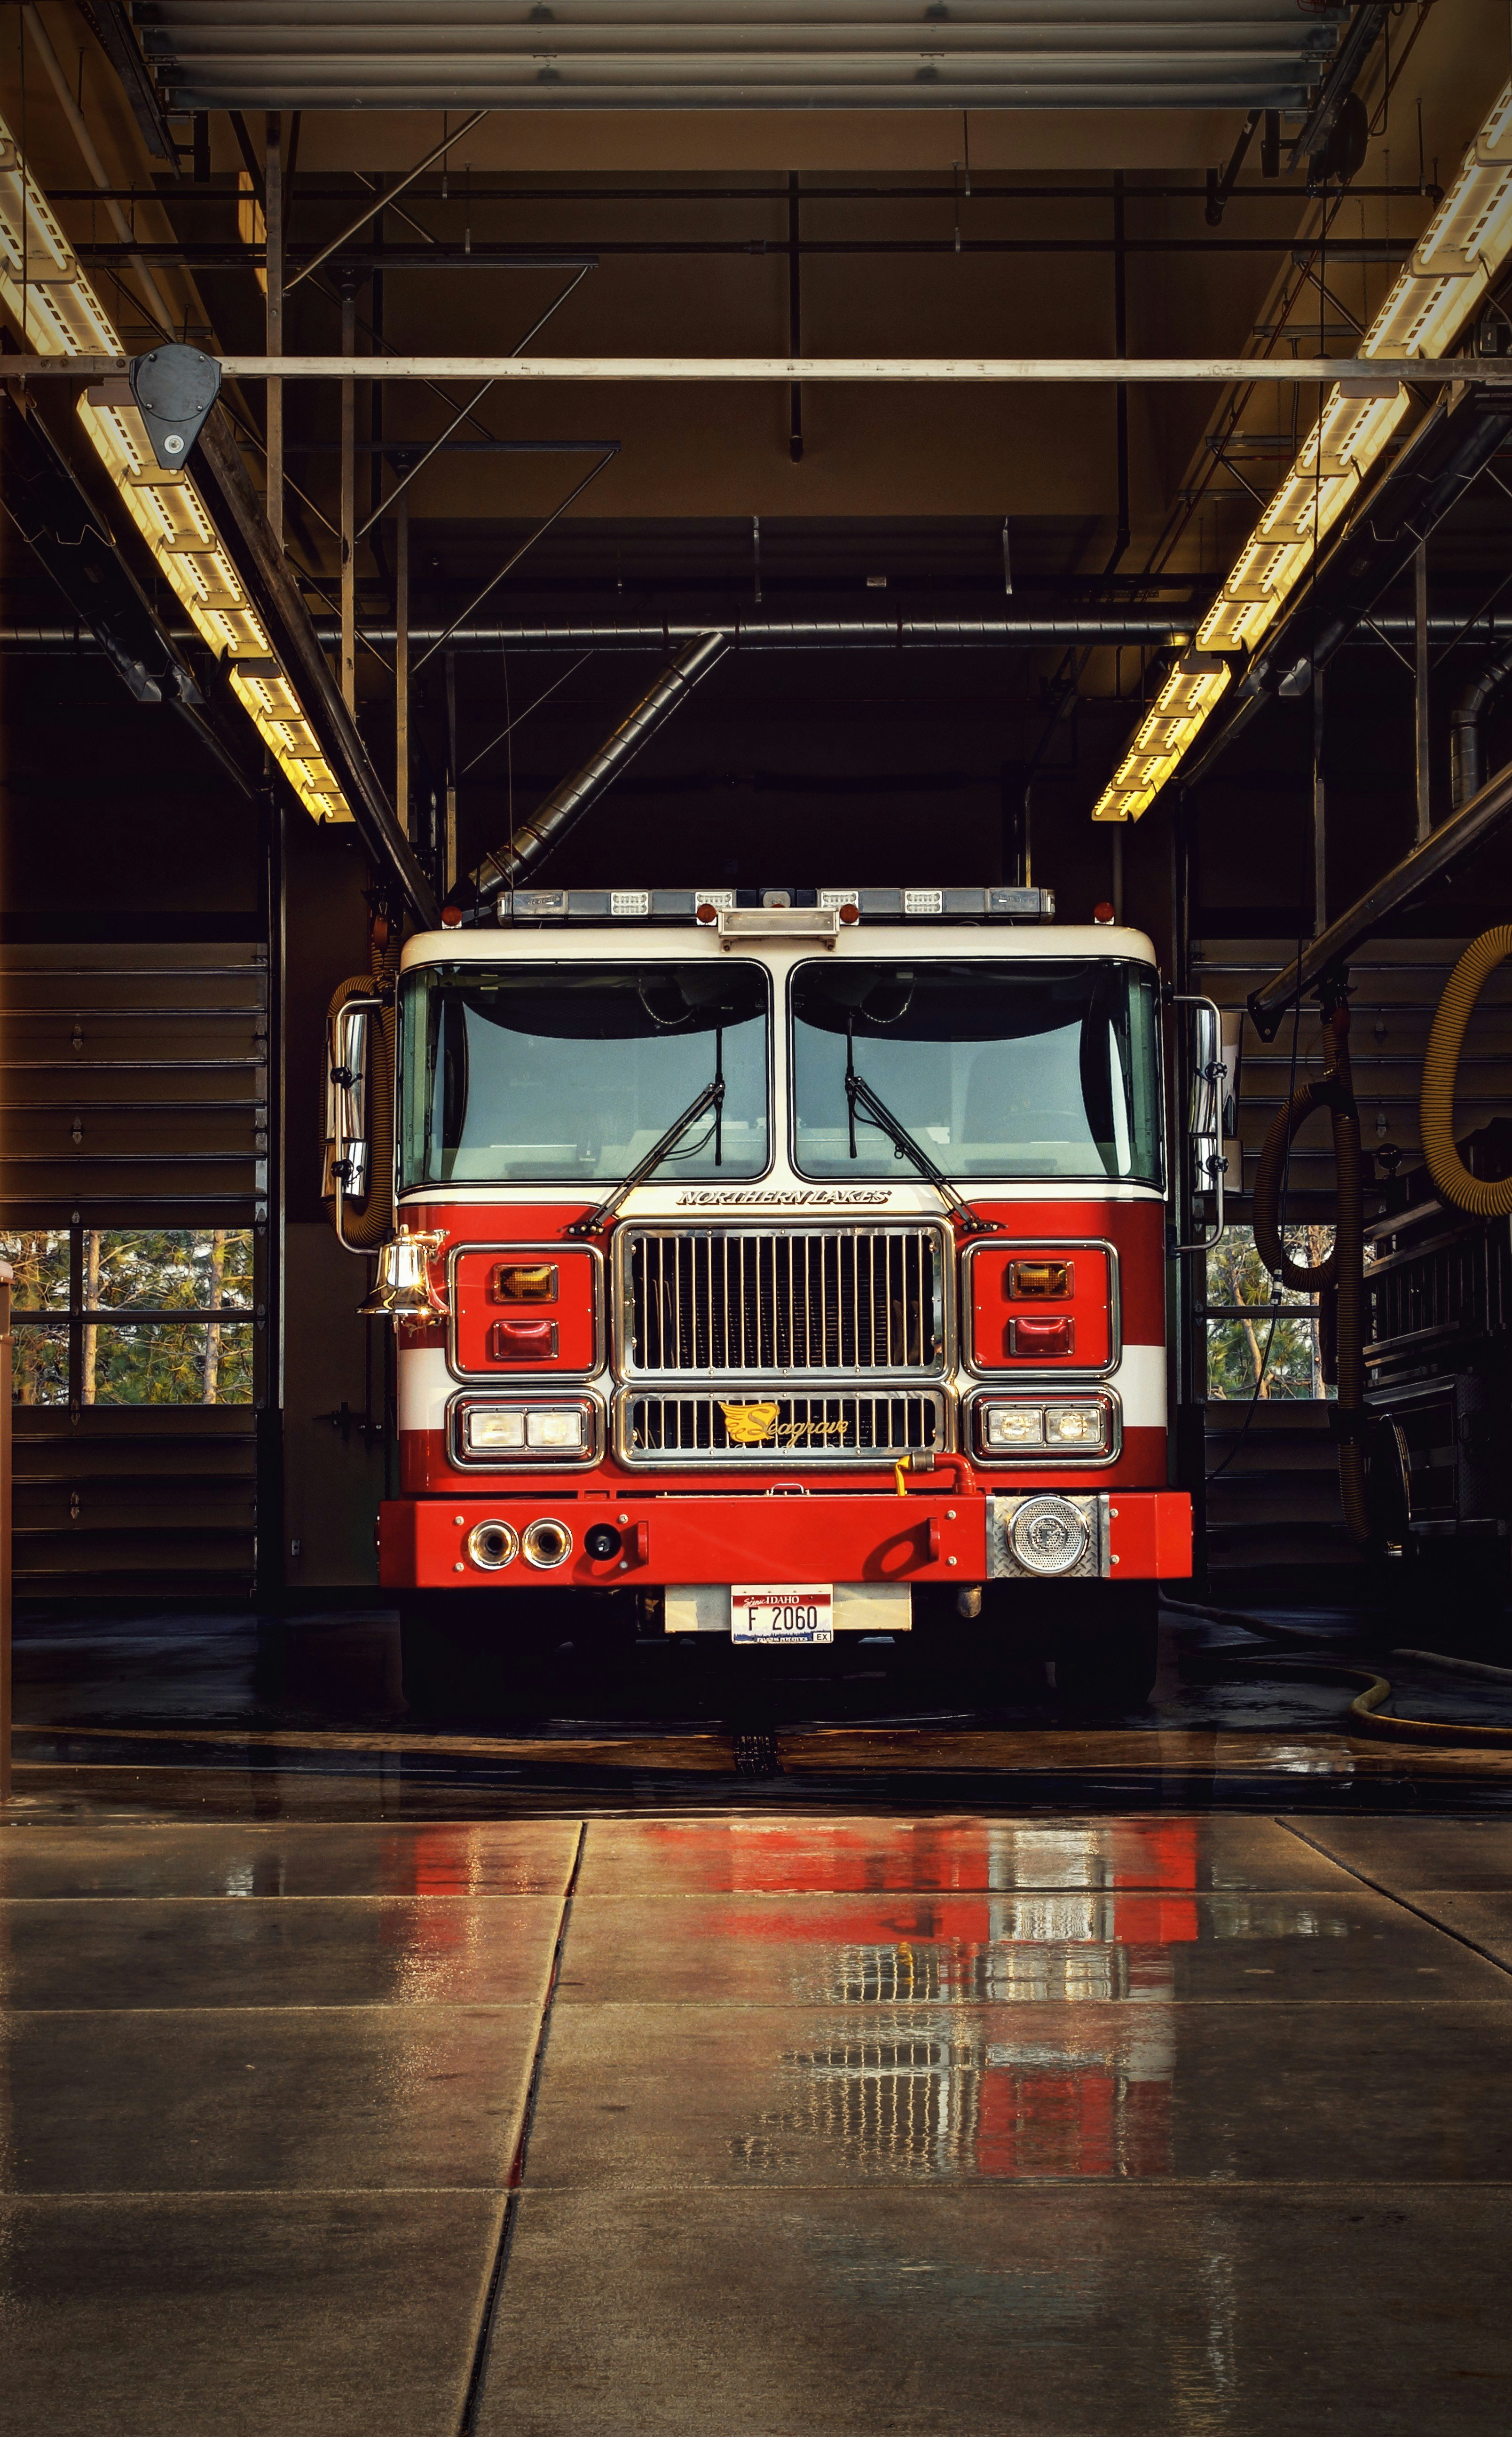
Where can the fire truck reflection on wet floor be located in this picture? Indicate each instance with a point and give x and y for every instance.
(981, 2026)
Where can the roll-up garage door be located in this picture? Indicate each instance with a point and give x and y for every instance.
(134, 1206)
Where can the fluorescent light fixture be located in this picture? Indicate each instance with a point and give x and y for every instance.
(61, 316)
(1440, 291)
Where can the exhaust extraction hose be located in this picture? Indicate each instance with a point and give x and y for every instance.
(1344, 1270)
(1440, 1068)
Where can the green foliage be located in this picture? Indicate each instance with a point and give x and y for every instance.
(1243, 1351)
(193, 1270)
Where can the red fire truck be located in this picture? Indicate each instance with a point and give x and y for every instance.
(795, 1261)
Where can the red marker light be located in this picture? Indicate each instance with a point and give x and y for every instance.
(1103, 913)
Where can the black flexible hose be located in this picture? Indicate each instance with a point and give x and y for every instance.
(1344, 1268)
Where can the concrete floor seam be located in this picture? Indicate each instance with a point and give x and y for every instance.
(1461, 1935)
(484, 2345)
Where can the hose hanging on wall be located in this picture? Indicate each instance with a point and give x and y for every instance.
(1344, 1270)
(371, 1225)
(1440, 1067)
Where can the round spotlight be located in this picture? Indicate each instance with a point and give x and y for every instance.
(493, 1546)
(547, 1544)
(1048, 1535)
(603, 1541)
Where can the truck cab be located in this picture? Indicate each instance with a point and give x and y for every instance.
(799, 1266)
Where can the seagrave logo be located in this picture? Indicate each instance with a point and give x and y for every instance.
(756, 1425)
(854, 1197)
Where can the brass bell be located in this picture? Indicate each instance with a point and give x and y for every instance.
(402, 1289)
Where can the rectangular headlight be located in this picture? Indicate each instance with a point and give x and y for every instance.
(496, 1427)
(1076, 1425)
(1015, 1426)
(545, 1428)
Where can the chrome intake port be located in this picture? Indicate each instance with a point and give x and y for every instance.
(547, 1543)
(493, 1546)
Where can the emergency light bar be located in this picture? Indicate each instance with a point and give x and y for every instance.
(537, 905)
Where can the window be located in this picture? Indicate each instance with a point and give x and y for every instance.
(1038, 1067)
(133, 1315)
(570, 1072)
(1263, 1341)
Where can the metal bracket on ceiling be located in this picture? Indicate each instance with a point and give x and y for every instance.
(173, 390)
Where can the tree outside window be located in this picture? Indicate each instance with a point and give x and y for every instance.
(1246, 1355)
(193, 1343)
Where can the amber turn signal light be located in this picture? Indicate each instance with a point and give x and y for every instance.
(1040, 1281)
(526, 1282)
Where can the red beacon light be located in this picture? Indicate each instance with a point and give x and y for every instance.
(1103, 914)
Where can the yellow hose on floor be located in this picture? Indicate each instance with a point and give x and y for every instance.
(1440, 1068)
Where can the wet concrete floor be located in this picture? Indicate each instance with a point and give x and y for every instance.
(752, 2122)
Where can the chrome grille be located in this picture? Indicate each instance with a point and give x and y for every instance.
(722, 1300)
(659, 1427)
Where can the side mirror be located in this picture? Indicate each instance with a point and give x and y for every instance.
(1209, 1112)
(347, 1147)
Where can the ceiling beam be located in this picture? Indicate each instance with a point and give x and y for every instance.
(943, 370)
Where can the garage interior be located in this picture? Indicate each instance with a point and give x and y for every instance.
(1049, 457)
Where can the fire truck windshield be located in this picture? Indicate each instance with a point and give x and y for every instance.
(552, 1072)
(1038, 1067)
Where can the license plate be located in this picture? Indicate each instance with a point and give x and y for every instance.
(789, 1612)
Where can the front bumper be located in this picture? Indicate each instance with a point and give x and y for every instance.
(945, 1536)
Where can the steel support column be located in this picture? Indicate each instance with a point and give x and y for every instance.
(273, 413)
(1423, 719)
(1320, 813)
(401, 665)
(348, 643)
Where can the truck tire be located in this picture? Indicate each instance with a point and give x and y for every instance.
(1107, 1651)
(450, 1662)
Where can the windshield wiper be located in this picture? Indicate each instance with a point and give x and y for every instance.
(858, 1093)
(712, 1096)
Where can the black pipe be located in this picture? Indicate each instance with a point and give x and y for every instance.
(747, 634)
(1466, 743)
